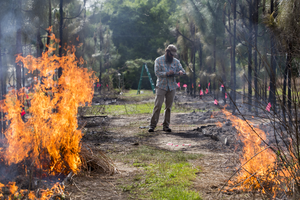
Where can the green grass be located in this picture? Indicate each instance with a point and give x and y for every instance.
(131, 95)
(167, 175)
(129, 109)
(132, 108)
(170, 181)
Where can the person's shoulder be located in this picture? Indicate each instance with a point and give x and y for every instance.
(160, 58)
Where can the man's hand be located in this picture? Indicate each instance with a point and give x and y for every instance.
(180, 73)
(171, 72)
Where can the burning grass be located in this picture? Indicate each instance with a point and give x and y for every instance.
(260, 169)
(46, 142)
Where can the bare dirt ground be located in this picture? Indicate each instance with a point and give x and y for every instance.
(194, 132)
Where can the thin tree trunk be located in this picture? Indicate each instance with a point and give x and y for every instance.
(194, 73)
(60, 34)
(18, 65)
(200, 64)
(255, 16)
(250, 43)
(290, 87)
(200, 56)
(285, 76)
(233, 64)
(272, 98)
(49, 24)
(23, 69)
(84, 27)
(231, 58)
(193, 54)
(214, 67)
(2, 85)
(39, 50)
(101, 38)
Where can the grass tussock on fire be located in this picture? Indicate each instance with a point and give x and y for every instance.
(270, 161)
(48, 141)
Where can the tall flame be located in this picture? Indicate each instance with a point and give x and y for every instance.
(257, 160)
(50, 137)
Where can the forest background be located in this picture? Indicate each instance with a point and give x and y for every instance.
(248, 45)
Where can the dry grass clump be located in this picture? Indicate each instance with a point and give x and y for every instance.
(96, 161)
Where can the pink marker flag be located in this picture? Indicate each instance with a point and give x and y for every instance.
(222, 85)
(201, 92)
(106, 85)
(216, 102)
(27, 96)
(98, 84)
(268, 107)
(169, 144)
(225, 95)
(23, 113)
(184, 85)
(206, 91)
(269, 88)
(178, 84)
(199, 85)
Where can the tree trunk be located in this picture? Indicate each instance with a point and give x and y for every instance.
(193, 59)
(272, 98)
(2, 86)
(231, 53)
(23, 69)
(200, 59)
(285, 77)
(255, 20)
(233, 64)
(250, 43)
(194, 73)
(49, 24)
(60, 34)
(39, 50)
(84, 27)
(214, 67)
(289, 72)
(101, 38)
(18, 65)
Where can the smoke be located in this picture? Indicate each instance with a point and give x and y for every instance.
(8, 30)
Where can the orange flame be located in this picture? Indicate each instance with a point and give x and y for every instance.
(42, 194)
(12, 187)
(49, 138)
(257, 161)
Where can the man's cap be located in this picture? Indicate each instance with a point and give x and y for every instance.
(172, 49)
